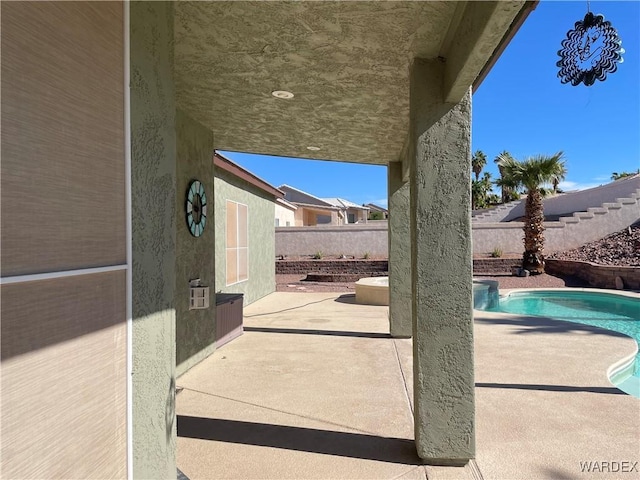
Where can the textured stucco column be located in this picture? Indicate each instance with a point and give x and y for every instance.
(400, 321)
(153, 203)
(195, 329)
(442, 270)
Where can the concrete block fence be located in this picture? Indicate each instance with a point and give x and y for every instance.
(352, 240)
(567, 233)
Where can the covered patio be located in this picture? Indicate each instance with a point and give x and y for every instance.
(383, 83)
(118, 108)
(317, 388)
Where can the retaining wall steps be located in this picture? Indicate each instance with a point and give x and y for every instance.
(612, 205)
(577, 217)
(597, 210)
(496, 214)
(501, 212)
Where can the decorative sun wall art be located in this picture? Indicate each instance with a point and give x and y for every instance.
(591, 51)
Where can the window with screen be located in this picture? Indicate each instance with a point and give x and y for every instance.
(237, 243)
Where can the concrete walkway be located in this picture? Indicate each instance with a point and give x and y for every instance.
(316, 388)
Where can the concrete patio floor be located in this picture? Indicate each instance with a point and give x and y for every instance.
(316, 388)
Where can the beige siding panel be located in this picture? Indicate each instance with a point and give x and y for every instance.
(62, 185)
(64, 378)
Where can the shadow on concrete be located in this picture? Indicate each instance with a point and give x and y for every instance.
(302, 331)
(528, 325)
(349, 298)
(551, 388)
(557, 474)
(342, 444)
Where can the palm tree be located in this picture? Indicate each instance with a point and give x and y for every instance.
(506, 189)
(618, 176)
(558, 177)
(532, 173)
(478, 162)
(480, 191)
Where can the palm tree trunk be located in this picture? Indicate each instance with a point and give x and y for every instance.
(533, 258)
(503, 193)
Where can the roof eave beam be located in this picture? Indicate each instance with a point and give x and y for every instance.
(482, 29)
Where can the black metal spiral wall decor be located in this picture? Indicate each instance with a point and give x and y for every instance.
(590, 51)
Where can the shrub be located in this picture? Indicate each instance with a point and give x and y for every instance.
(317, 256)
(496, 253)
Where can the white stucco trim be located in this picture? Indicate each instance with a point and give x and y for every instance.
(129, 284)
(34, 277)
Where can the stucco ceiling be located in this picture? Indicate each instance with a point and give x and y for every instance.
(347, 63)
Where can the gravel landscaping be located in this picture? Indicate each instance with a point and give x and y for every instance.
(620, 249)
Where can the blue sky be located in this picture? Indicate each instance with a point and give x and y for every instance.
(520, 107)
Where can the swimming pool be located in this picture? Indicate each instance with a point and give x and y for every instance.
(619, 313)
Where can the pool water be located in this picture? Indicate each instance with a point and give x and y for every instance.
(605, 310)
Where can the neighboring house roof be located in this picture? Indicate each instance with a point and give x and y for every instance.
(341, 202)
(223, 163)
(286, 204)
(300, 197)
(377, 208)
(304, 199)
(318, 207)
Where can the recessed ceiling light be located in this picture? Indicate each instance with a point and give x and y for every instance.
(282, 94)
(313, 149)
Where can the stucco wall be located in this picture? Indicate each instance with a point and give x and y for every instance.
(195, 329)
(261, 211)
(399, 240)
(505, 236)
(333, 240)
(360, 216)
(153, 184)
(285, 215)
